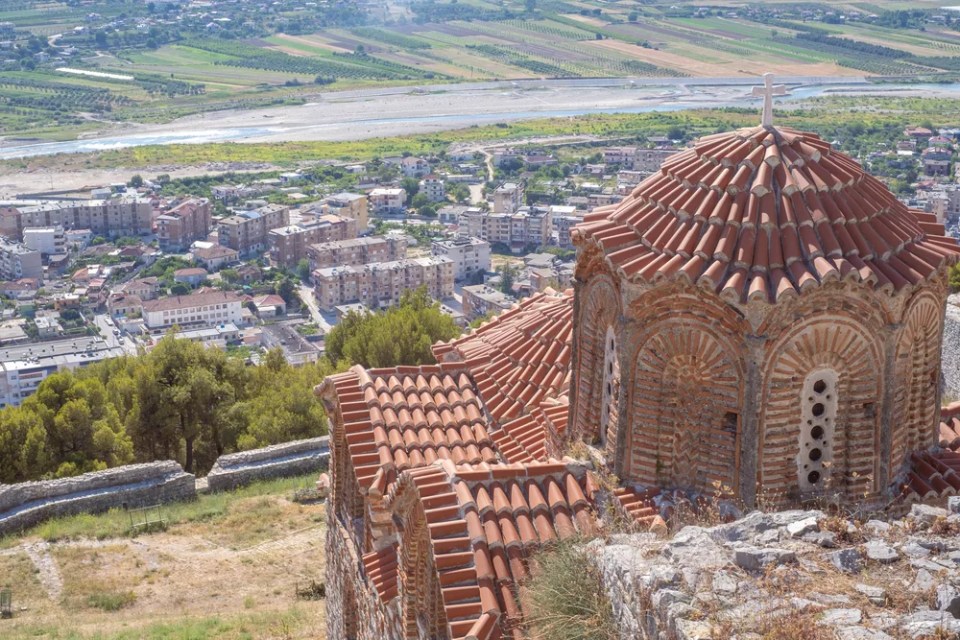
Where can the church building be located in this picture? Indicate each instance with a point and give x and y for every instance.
(759, 319)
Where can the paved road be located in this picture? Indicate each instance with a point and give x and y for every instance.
(306, 295)
(107, 328)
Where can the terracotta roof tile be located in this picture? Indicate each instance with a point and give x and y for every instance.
(795, 180)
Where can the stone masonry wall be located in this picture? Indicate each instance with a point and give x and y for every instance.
(951, 350)
(26, 504)
(873, 580)
(282, 460)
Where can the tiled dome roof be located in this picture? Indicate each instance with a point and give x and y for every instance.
(763, 213)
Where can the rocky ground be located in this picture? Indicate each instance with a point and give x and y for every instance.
(792, 575)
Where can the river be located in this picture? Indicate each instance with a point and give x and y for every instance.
(371, 113)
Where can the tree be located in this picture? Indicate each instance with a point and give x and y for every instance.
(411, 186)
(459, 192)
(530, 5)
(287, 290)
(419, 200)
(400, 335)
(508, 275)
(427, 211)
(180, 289)
(136, 181)
(303, 269)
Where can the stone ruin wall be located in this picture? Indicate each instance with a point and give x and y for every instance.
(282, 460)
(26, 504)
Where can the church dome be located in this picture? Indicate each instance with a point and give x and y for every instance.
(765, 213)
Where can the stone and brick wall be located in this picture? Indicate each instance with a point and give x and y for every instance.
(26, 504)
(282, 460)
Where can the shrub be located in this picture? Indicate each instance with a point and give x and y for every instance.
(567, 599)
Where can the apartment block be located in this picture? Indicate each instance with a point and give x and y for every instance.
(48, 241)
(432, 186)
(207, 308)
(388, 201)
(356, 252)
(290, 244)
(383, 283)
(481, 300)
(526, 226)
(17, 261)
(348, 205)
(508, 197)
(469, 255)
(183, 224)
(115, 217)
(247, 231)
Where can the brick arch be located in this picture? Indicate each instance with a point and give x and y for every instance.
(685, 402)
(598, 310)
(839, 343)
(422, 601)
(917, 378)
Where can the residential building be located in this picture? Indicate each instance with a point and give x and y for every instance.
(528, 225)
(619, 155)
(381, 284)
(208, 307)
(508, 197)
(649, 160)
(289, 245)
(143, 288)
(114, 217)
(469, 255)
(192, 276)
(480, 300)
(356, 252)
(24, 367)
(247, 231)
(183, 224)
(17, 261)
(388, 201)
(215, 257)
(47, 240)
(432, 186)
(414, 167)
(348, 205)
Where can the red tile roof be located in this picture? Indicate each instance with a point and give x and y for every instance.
(759, 213)
(484, 522)
(528, 438)
(520, 357)
(936, 474)
(406, 417)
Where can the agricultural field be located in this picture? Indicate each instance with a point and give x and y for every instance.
(229, 566)
(291, 57)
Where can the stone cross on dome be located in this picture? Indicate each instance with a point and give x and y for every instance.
(767, 91)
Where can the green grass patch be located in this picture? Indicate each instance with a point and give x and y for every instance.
(214, 507)
(111, 600)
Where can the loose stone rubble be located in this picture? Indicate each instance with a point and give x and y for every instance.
(883, 581)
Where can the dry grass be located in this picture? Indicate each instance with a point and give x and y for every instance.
(231, 575)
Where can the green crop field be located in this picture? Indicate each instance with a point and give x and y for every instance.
(195, 69)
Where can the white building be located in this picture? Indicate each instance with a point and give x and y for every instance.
(48, 241)
(469, 255)
(18, 261)
(432, 187)
(25, 366)
(387, 201)
(508, 197)
(208, 308)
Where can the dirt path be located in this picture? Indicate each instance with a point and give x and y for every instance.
(47, 571)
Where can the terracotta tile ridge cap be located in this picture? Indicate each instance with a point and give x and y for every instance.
(328, 387)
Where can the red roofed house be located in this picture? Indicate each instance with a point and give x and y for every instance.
(758, 317)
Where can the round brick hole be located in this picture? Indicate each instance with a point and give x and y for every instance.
(818, 410)
(817, 432)
(820, 386)
(813, 477)
(815, 454)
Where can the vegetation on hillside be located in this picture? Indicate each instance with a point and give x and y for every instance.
(186, 402)
(399, 335)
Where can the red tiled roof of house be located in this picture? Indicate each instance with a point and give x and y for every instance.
(520, 357)
(381, 569)
(760, 214)
(484, 522)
